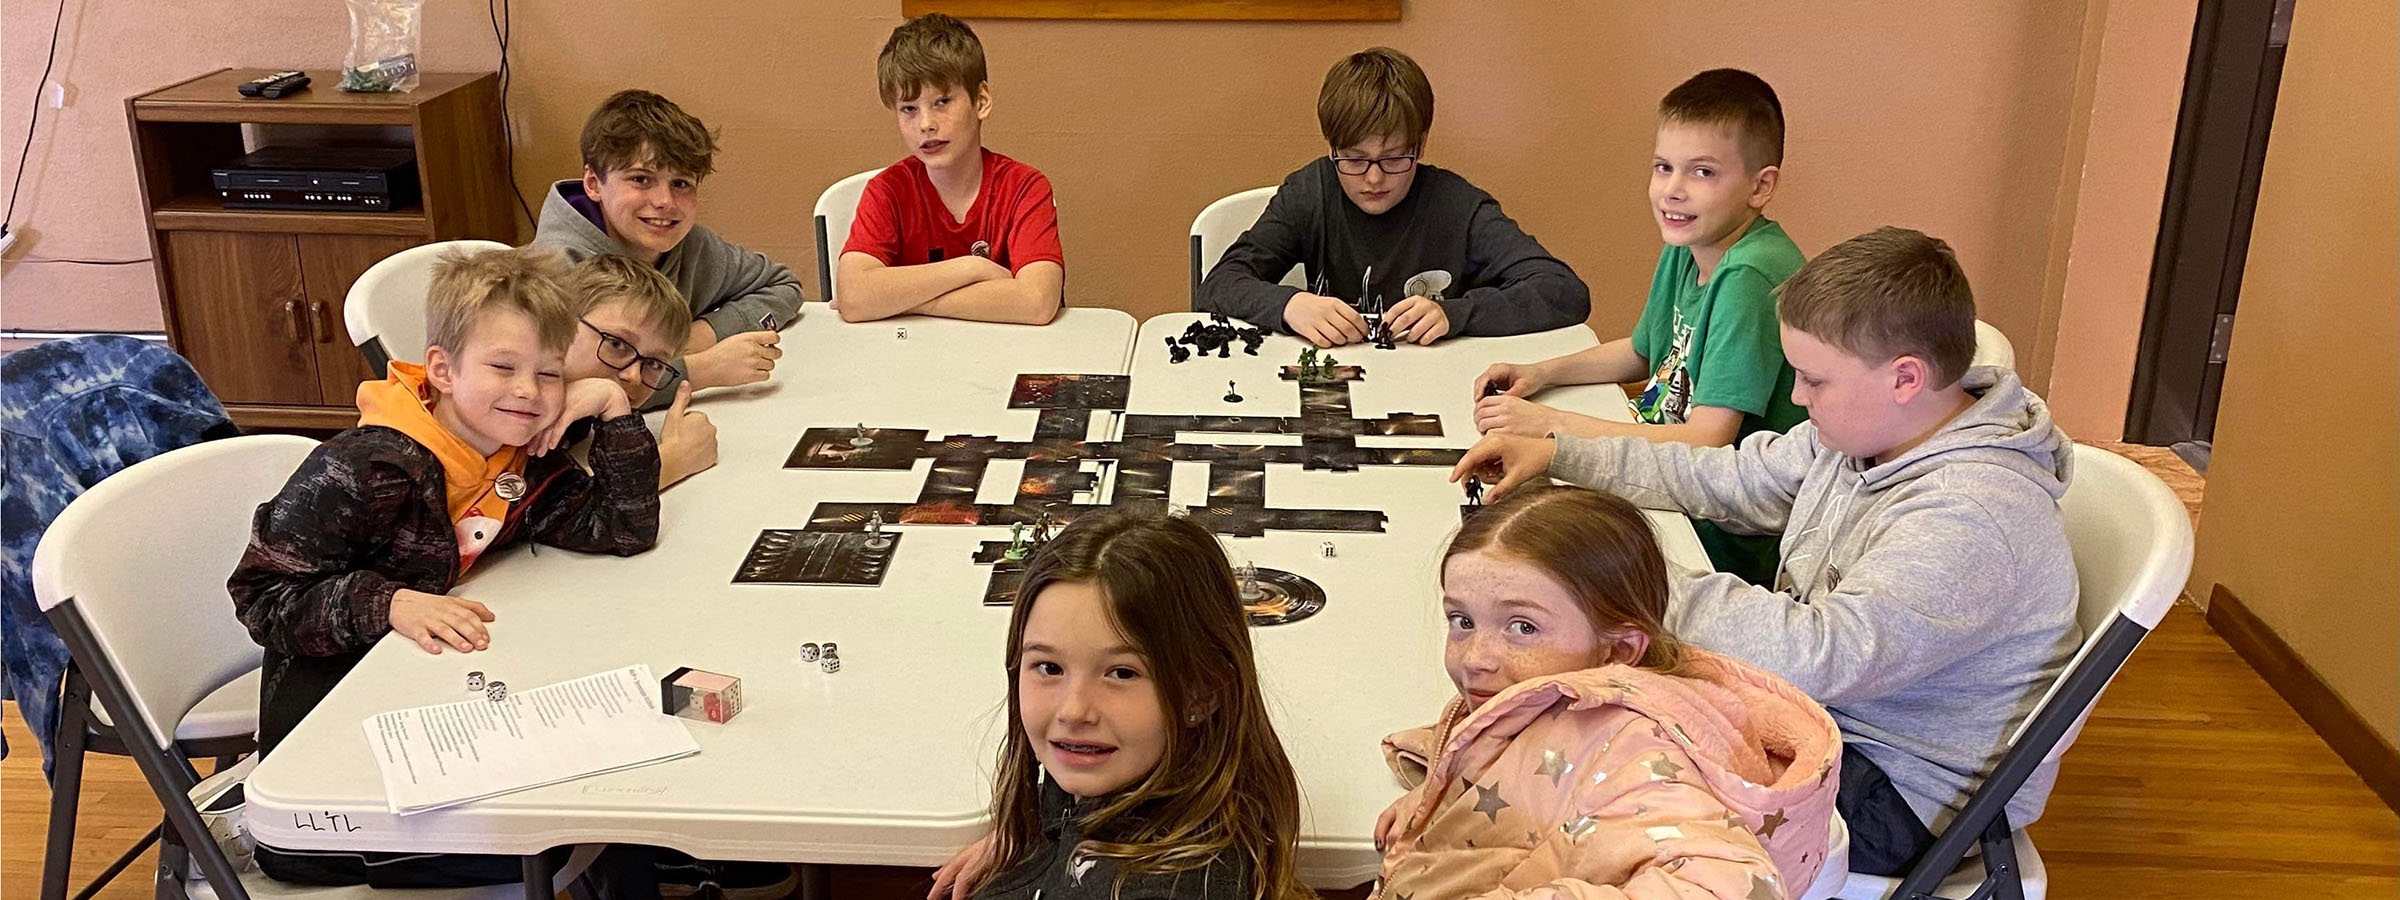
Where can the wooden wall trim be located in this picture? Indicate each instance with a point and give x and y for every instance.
(1219, 10)
(2349, 735)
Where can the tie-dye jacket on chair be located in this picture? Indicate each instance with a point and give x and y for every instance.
(73, 412)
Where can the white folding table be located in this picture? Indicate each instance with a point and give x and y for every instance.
(888, 762)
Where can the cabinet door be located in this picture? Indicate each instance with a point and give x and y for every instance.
(329, 263)
(241, 313)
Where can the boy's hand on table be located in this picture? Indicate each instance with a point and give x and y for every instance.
(1513, 379)
(1503, 414)
(1418, 321)
(435, 620)
(687, 441)
(1518, 459)
(740, 359)
(1323, 321)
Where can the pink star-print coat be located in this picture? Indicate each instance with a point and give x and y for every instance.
(1617, 782)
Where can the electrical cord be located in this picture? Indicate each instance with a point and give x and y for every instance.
(503, 23)
(35, 119)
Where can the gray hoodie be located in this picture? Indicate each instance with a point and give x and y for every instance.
(730, 288)
(1927, 601)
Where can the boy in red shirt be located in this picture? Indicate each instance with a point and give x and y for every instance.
(954, 229)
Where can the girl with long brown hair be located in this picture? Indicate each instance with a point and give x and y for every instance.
(1142, 765)
(1588, 754)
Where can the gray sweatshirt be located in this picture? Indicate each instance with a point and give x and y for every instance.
(1928, 601)
(730, 288)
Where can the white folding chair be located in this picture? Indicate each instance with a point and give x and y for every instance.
(133, 576)
(835, 210)
(2132, 542)
(1223, 222)
(385, 309)
(1992, 348)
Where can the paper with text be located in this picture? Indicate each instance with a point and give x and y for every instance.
(451, 753)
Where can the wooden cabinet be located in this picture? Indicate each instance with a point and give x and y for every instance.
(254, 297)
(260, 314)
(328, 264)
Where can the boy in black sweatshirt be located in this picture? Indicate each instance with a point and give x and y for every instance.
(1376, 230)
(451, 460)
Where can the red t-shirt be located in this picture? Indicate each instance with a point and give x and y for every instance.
(902, 222)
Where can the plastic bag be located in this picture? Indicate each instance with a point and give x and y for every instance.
(219, 799)
(384, 37)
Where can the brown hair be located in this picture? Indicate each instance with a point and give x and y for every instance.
(466, 287)
(930, 51)
(1596, 545)
(609, 278)
(1224, 788)
(1889, 293)
(1736, 100)
(1376, 91)
(635, 127)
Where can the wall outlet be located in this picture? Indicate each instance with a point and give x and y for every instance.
(57, 94)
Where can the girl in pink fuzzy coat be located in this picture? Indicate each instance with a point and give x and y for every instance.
(1589, 755)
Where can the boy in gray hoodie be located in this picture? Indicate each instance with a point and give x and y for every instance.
(643, 160)
(1926, 594)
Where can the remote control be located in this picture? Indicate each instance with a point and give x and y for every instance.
(275, 86)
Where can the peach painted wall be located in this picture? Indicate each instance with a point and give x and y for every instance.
(1953, 118)
(2117, 190)
(2302, 519)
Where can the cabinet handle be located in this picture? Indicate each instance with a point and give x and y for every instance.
(324, 320)
(293, 327)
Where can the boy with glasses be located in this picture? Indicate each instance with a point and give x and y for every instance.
(631, 321)
(1430, 252)
(643, 161)
(451, 461)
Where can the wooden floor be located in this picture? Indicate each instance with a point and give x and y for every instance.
(2193, 779)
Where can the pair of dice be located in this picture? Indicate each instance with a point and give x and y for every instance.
(824, 655)
(495, 690)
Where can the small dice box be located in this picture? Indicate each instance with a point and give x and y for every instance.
(699, 694)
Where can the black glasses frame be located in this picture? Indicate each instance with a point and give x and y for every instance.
(1391, 165)
(655, 372)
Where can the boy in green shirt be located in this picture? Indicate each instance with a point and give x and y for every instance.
(1707, 338)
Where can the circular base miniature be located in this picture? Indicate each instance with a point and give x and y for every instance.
(1283, 597)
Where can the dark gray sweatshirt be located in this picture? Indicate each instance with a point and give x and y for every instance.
(1501, 280)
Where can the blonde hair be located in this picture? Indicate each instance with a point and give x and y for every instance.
(1376, 91)
(1889, 293)
(610, 278)
(930, 51)
(467, 287)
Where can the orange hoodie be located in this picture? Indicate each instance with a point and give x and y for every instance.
(479, 488)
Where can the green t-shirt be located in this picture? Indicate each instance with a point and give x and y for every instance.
(1717, 344)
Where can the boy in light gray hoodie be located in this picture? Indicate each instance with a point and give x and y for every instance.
(1926, 594)
(643, 159)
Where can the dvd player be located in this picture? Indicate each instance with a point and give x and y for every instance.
(373, 179)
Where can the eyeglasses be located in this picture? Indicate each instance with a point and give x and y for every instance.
(1391, 165)
(617, 353)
